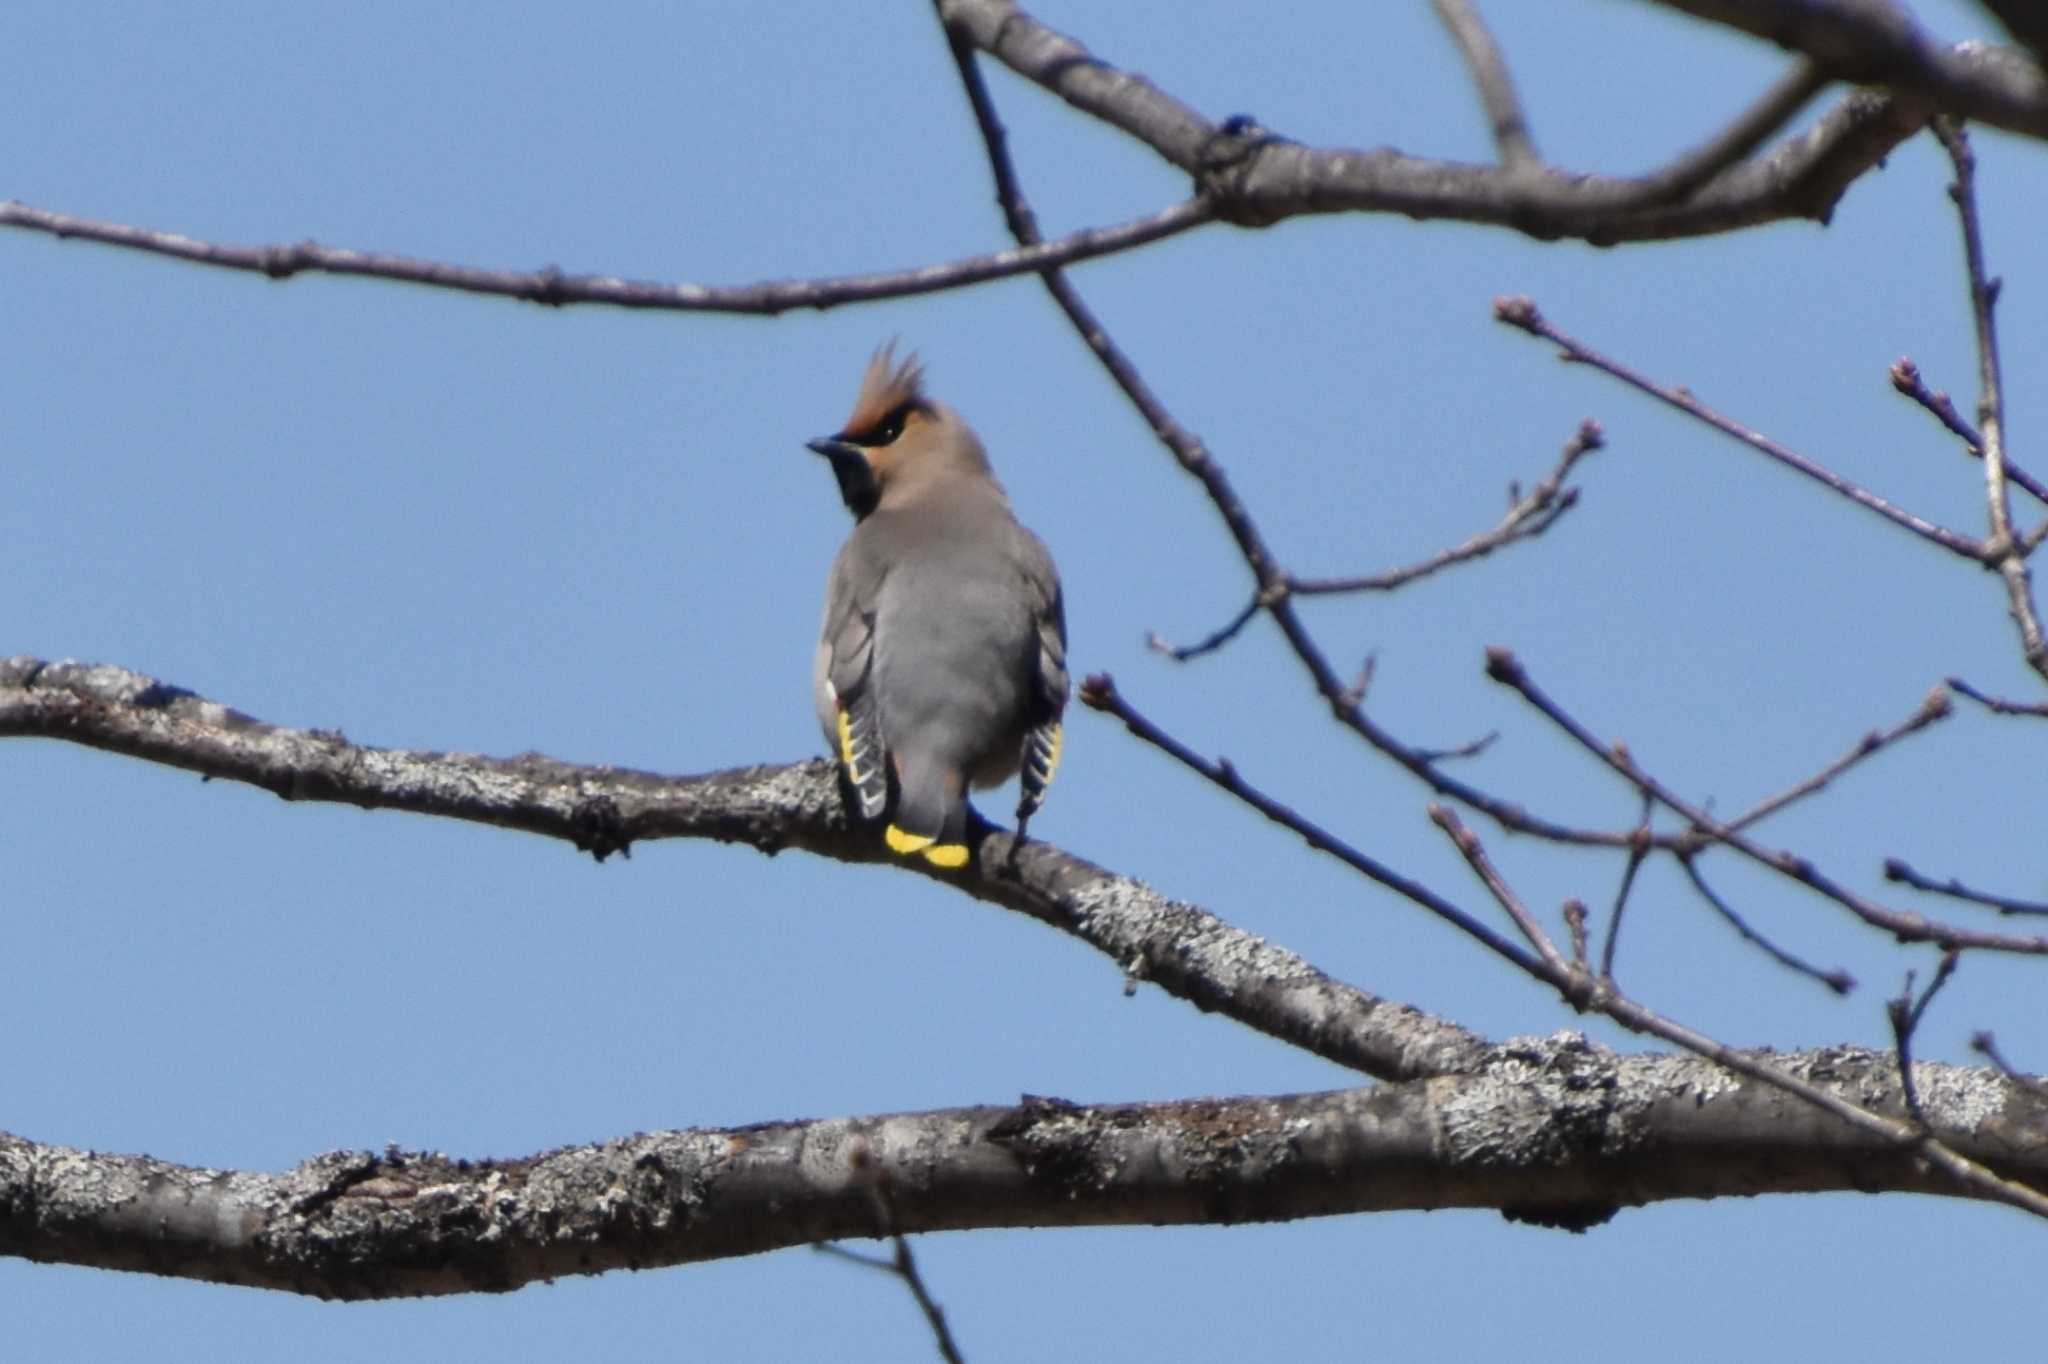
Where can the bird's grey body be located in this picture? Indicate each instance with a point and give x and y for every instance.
(942, 658)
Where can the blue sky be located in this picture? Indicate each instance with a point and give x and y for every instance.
(440, 521)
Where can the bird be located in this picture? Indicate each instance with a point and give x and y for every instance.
(942, 660)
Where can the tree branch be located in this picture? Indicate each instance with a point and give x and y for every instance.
(555, 289)
(1876, 42)
(1256, 178)
(1550, 1130)
(1184, 949)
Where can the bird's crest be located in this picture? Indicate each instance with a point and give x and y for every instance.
(886, 387)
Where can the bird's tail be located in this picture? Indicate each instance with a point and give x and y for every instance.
(931, 814)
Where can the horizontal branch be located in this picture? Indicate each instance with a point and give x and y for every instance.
(1552, 1130)
(1256, 178)
(550, 286)
(1184, 949)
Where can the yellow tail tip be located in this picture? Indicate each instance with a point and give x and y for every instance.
(951, 856)
(905, 844)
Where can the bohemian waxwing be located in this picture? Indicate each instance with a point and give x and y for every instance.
(943, 659)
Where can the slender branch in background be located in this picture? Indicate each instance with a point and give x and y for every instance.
(1906, 379)
(2002, 550)
(555, 289)
(1838, 980)
(1905, 1014)
(1638, 849)
(1997, 705)
(1474, 852)
(1897, 870)
(1100, 693)
(1935, 707)
(1496, 88)
(1211, 642)
(1755, 126)
(1522, 314)
(1985, 1045)
(1503, 667)
(903, 1265)
(1528, 516)
(1600, 996)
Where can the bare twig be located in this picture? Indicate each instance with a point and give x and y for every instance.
(1755, 126)
(1985, 1045)
(1523, 314)
(1100, 693)
(1211, 642)
(1838, 980)
(1474, 852)
(1503, 667)
(1897, 870)
(552, 287)
(1935, 707)
(2002, 551)
(1638, 849)
(1527, 516)
(1997, 705)
(903, 1265)
(1906, 378)
(1905, 1013)
(1490, 76)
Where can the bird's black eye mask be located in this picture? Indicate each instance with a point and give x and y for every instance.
(885, 429)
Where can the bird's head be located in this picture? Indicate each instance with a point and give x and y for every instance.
(896, 440)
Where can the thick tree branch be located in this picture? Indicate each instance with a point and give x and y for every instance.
(1550, 1130)
(1184, 949)
(1876, 42)
(1256, 178)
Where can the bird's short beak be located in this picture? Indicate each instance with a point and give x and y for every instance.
(835, 449)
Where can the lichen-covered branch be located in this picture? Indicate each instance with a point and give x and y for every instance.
(1178, 946)
(1553, 1130)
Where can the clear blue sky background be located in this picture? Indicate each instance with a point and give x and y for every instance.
(441, 521)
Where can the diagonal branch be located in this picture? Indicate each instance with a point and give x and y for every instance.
(1184, 949)
(1876, 42)
(1523, 315)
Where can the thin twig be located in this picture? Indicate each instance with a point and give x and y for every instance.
(1100, 693)
(2001, 550)
(1503, 667)
(1935, 707)
(1905, 1014)
(1490, 75)
(1523, 315)
(903, 1265)
(1838, 980)
(1897, 870)
(1213, 641)
(1574, 913)
(1984, 1044)
(1752, 128)
(1474, 852)
(1527, 517)
(1997, 705)
(552, 287)
(1638, 849)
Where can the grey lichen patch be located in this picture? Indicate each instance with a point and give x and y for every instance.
(1540, 1101)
